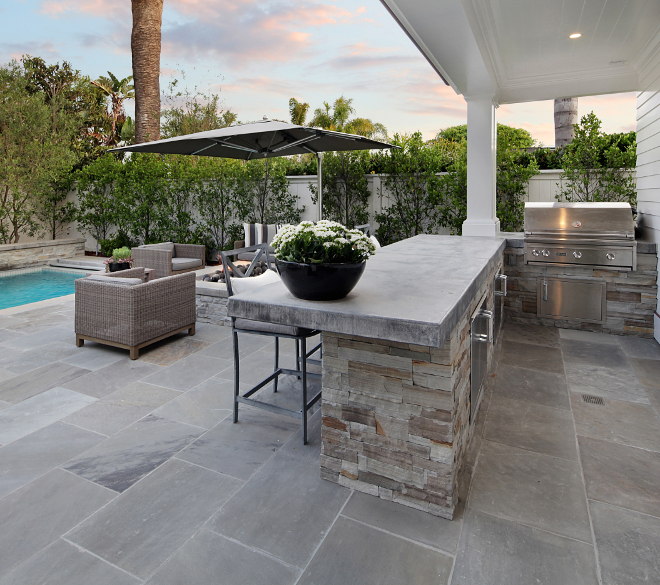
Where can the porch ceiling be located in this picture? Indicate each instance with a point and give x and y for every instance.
(519, 50)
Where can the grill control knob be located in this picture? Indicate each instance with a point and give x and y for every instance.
(535, 252)
(577, 254)
(610, 256)
(546, 253)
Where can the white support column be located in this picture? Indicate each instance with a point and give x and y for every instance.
(482, 168)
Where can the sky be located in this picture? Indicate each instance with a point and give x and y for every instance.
(256, 54)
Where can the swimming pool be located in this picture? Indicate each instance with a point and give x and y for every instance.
(20, 287)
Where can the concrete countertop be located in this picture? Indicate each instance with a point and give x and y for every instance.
(414, 291)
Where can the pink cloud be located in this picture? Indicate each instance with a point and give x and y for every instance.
(104, 8)
(36, 49)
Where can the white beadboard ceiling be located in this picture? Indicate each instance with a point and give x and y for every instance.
(519, 50)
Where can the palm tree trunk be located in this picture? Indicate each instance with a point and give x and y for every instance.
(566, 114)
(145, 47)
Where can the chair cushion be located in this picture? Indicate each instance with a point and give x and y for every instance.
(261, 327)
(250, 255)
(185, 263)
(115, 279)
(259, 233)
(169, 246)
(375, 242)
(241, 285)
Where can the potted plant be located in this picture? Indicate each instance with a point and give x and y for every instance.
(120, 260)
(322, 261)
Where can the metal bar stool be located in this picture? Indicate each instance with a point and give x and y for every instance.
(299, 334)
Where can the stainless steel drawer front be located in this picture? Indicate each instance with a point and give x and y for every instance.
(577, 300)
(481, 337)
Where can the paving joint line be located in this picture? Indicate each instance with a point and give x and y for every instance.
(316, 550)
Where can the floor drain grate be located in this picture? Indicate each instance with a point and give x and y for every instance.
(592, 399)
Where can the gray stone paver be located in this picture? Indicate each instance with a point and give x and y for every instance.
(207, 501)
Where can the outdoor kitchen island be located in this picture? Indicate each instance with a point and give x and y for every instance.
(396, 365)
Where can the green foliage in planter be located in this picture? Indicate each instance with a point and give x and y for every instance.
(345, 188)
(598, 167)
(326, 242)
(121, 254)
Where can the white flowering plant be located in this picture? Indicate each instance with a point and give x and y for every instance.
(324, 242)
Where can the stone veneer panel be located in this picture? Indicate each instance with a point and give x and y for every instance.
(631, 296)
(19, 255)
(211, 300)
(396, 415)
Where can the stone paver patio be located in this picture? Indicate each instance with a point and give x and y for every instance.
(119, 472)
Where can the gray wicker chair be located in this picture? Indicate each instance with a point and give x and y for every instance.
(133, 315)
(168, 259)
(299, 334)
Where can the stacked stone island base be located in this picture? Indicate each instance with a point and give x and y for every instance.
(396, 401)
(396, 416)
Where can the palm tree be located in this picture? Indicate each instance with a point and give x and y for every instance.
(566, 114)
(337, 117)
(118, 90)
(298, 111)
(145, 47)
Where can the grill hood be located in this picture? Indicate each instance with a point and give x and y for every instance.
(579, 220)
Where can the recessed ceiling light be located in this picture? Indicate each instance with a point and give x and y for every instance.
(575, 36)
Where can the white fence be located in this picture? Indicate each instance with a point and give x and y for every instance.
(542, 187)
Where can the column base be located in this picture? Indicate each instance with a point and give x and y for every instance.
(481, 227)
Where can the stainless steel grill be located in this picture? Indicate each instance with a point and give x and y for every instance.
(600, 235)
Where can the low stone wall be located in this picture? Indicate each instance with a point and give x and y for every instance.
(23, 255)
(396, 417)
(212, 301)
(631, 297)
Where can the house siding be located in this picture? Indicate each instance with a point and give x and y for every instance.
(648, 156)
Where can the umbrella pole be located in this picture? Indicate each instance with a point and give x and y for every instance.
(319, 213)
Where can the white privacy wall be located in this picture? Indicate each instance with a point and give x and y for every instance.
(648, 157)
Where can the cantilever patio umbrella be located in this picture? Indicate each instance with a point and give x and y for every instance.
(262, 139)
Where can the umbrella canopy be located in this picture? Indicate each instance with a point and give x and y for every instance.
(263, 139)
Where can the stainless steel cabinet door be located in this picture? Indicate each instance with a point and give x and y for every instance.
(578, 300)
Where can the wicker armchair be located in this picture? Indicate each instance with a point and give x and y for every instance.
(134, 316)
(168, 259)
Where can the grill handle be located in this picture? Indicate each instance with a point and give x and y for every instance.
(545, 290)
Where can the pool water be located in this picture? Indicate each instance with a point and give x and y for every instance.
(29, 287)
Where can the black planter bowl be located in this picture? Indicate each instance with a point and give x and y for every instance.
(320, 282)
(117, 266)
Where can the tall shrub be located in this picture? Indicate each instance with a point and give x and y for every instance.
(98, 204)
(215, 198)
(410, 184)
(345, 187)
(514, 169)
(263, 194)
(143, 192)
(597, 167)
(174, 215)
(35, 150)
